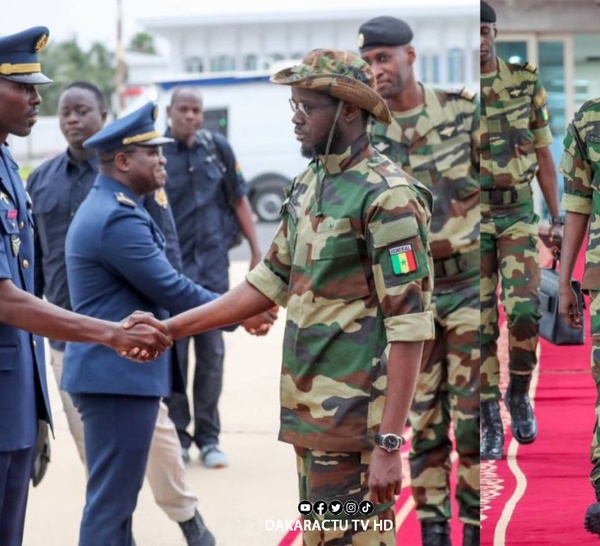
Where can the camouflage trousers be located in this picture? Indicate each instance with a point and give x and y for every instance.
(509, 250)
(448, 393)
(327, 476)
(595, 363)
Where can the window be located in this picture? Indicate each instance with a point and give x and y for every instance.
(456, 65)
(251, 62)
(222, 63)
(194, 64)
(430, 68)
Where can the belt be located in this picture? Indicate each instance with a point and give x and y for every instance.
(508, 196)
(455, 264)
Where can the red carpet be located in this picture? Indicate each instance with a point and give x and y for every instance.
(539, 493)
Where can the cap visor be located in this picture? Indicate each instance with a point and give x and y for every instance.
(33, 79)
(155, 141)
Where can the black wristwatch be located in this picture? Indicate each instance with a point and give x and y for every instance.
(558, 220)
(389, 442)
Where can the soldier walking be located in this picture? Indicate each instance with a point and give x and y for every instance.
(515, 136)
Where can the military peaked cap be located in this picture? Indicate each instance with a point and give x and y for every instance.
(136, 128)
(488, 15)
(18, 56)
(383, 31)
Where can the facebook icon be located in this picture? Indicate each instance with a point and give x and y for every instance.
(320, 507)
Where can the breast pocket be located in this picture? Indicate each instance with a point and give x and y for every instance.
(45, 208)
(336, 268)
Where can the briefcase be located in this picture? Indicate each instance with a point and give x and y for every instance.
(552, 326)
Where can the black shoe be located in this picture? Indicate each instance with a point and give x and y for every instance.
(435, 533)
(196, 533)
(470, 535)
(522, 421)
(492, 433)
(592, 519)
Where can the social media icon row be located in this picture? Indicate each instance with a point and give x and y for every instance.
(320, 507)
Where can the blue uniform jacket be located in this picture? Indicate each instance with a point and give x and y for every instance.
(115, 265)
(23, 390)
(57, 189)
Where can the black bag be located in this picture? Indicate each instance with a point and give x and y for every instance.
(552, 327)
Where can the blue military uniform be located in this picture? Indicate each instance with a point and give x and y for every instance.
(115, 265)
(23, 391)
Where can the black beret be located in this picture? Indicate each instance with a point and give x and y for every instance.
(488, 15)
(382, 32)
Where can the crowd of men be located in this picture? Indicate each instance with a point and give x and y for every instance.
(415, 204)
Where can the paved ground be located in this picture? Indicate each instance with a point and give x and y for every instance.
(259, 485)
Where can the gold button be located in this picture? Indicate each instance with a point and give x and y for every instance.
(21, 225)
(25, 264)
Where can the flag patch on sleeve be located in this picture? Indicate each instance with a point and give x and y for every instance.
(403, 259)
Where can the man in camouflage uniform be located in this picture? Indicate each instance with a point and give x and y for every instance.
(434, 136)
(515, 135)
(581, 166)
(350, 261)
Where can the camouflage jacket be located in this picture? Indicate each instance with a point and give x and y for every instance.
(443, 154)
(581, 166)
(514, 122)
(351, 262)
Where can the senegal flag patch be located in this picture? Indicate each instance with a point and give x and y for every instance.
(545, 114)
(403, 259)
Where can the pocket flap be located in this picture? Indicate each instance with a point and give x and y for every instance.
(396, 230)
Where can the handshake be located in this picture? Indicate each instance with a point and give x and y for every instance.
(142, 337)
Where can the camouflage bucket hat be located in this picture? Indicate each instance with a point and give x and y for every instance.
(340, 74)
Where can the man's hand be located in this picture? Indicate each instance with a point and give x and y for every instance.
(255, 259)
(556, 236)
(385, 475)
(153, 333)
(567, 307)
(259, 325)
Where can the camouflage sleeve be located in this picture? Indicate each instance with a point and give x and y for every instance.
(540, 118)
(476, 142)
(578, 173)
(399, 252)
(272, 275)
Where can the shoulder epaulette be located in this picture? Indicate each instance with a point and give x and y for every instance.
(529, 67)
(463, 93)
(589, 104)
(124, 200)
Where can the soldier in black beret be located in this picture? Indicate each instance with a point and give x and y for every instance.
(384, 31)
(434, 137)
(507, 222)
(488, 15)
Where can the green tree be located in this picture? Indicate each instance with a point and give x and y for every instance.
(65, 62)
(142, 42)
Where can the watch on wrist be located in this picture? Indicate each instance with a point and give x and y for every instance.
(558, 220)
(389, 442)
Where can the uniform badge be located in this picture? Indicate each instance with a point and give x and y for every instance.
(41, 43)
(403, 259)
(12, 214)
(15, 243)
(160, 196)
(361, 40)
(124, 200)
(545, 114)
(4, 198)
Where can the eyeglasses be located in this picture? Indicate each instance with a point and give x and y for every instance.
(306, 109)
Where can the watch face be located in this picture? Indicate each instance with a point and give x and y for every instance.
(391, 442)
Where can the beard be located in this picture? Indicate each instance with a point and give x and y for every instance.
(319, 147)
